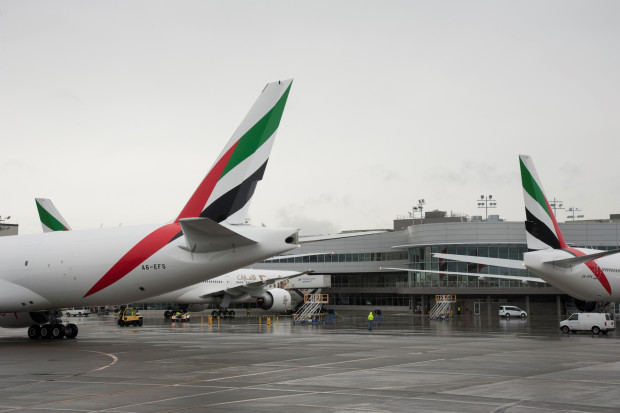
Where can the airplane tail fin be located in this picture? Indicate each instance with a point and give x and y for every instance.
(541, 228)
(225, 193)
(51, 220)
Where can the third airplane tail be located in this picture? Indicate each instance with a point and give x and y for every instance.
(51, 220)
(541, 228)
(226, 191)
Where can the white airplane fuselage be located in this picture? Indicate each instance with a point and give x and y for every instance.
(60, 269)
(202, 292)
(599, 280)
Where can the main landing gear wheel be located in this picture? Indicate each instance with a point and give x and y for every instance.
(46, 331)
(58, 331)
(34, 332)
(71, 331)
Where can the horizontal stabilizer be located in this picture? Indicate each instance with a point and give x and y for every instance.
(474, 274)
(204, 235)
(569, 262)
(497, 262)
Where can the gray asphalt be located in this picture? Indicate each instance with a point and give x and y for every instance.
(405, 364)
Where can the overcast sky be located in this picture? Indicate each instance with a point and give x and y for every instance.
(116, 110)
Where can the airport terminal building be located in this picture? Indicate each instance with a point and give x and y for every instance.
(365, 271)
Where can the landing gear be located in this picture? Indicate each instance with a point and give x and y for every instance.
(223, 313)
(55, 330)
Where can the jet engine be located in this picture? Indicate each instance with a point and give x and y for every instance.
(196, 307)
(24, 319)
(275, 299)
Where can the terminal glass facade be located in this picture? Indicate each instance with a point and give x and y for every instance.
(422, 258)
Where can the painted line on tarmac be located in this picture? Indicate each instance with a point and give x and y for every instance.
(354, 409)
(113, 362)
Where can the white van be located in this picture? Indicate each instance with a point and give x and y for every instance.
(77, 311)
(595, 322)
(511, 311)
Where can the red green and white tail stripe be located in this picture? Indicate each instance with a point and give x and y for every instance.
(542, 230)
(225, 193)
(51, 219)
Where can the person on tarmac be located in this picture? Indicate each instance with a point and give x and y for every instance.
(370, 318)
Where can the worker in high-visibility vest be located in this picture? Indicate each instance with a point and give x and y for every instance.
(370, 318)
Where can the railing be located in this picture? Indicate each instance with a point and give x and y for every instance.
(311, 308)
(471, 284)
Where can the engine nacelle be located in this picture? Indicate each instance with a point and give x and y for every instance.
(275, 299)
(196, 308)
(24, 319)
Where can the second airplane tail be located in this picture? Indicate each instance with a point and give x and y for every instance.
(225, 193)
(541, 228)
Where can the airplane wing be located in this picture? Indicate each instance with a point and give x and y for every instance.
(569, 262)
(255, 284)
(205, 235)
(280, 257)
(315, 238)
(474, 274)
(497, 262)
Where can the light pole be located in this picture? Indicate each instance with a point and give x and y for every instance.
(420, 208)
(555, 204)
(486, 203)
(573, 211)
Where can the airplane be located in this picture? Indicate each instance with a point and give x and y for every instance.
(586, 274)
(40, 273)
(239, 286)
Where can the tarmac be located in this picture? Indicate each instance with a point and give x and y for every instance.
(405, 364)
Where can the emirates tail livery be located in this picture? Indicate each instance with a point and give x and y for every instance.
(586, 274)
(43, 272)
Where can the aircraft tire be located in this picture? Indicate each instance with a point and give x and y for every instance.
(34, 332)
(46, 331)
(58, 331)
(71, 331)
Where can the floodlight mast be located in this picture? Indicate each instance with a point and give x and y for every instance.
(487, 202)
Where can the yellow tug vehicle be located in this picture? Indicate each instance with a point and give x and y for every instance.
(128, 316)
